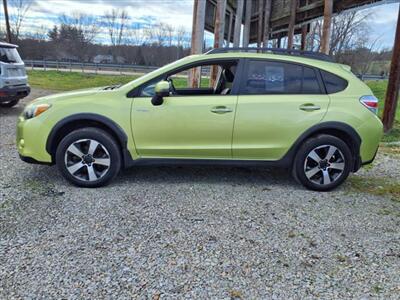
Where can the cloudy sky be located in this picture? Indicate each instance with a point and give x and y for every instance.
(142, 13)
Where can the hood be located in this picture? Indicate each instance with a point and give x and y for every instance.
(67, 95)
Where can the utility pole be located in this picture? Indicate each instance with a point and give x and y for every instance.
(7, 21)
(392, 92)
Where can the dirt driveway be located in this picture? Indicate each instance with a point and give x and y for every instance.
(192, 232)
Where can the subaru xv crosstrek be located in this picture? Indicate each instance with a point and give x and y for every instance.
(275, 108)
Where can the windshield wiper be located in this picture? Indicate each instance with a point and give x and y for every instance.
(112, 87)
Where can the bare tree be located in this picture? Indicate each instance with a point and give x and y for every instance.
(347, 28)
(135, 36)
(87, 25)
(18, 10)
(115, 21)
(169, 30)
(180, 36)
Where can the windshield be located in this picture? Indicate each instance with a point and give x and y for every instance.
(9, 55)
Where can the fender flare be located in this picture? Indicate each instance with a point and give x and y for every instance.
(105, 121)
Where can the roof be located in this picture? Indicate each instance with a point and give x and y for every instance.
(7, 45)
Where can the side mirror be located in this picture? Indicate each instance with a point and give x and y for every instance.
(161, 90)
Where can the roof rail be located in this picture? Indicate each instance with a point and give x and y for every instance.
(308, 54)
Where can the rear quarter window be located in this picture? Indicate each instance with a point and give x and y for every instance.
(333, 83)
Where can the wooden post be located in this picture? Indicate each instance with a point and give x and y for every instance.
(199, 13)
(260, 22)
(247, 21)
(219, 23)
(292, 21)
(304, 37)
(392, 93)
(326, 27)
(238, 23)
(7, 21)
(267, 19)
(228, 40)
(219, 31)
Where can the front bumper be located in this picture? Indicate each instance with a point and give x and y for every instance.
(31, 140)
(15, 91)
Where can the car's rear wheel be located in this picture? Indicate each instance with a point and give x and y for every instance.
(10, 103)
(88, 157)
(323, 163)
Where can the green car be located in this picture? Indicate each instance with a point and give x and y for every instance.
(291, 109)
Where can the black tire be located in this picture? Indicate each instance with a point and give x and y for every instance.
(10, 103)
(106, 150)
(327, 176)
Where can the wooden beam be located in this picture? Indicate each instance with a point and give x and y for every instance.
(292, 22)
(247, 21)
(267, 20)
(392, 93)
(7, 21)
(199, 13)
(238, 23)
(260, 22)
(326, 27)
(304, 37)
(228, 40)
(219, 31)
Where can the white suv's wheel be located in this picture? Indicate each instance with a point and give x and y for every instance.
(323, 163)
(88, 157)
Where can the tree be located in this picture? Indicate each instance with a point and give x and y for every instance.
(115, 21)
(18, 10)
(87, 25)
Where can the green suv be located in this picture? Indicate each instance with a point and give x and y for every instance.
(292, 109)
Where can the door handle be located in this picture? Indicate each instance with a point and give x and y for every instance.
(309, 107)
(221, 110)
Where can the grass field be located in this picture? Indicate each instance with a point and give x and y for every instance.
(66, 81)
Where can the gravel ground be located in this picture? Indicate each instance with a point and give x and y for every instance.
(192, 232)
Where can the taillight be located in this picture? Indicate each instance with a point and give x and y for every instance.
(370, 102)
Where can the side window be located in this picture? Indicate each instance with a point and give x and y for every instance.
(266, 77)
(333, 83)
(147, 90)
(310, 82)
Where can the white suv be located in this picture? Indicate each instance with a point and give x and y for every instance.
(13, 78)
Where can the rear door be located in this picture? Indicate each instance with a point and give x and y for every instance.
(278, 101)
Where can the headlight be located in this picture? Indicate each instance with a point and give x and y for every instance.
(34, 110)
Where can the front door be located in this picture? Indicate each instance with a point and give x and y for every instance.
(195, 123)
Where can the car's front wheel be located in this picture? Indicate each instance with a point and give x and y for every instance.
(88, 157)
(323, 163)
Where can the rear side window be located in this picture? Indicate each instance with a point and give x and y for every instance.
(266, 77)
(333, 83)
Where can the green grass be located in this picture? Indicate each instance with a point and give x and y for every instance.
(67, 81)
(378, 186)
(379, 90)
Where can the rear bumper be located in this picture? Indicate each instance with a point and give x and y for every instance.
(16, 91)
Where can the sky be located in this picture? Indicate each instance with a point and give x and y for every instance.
(142, 13)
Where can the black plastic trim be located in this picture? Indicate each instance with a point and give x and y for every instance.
(285, 162)
(17, 91)
(31, 160)
(114, 127)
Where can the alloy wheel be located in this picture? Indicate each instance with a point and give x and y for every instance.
(87, 160)
(324, 165)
